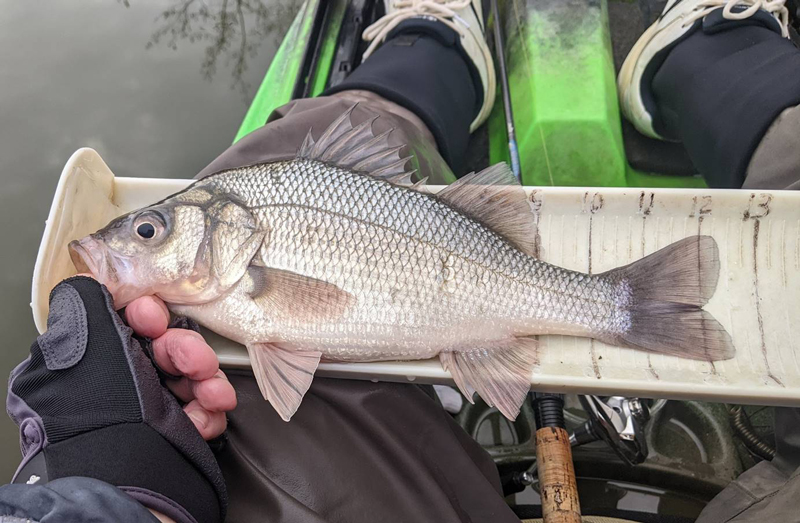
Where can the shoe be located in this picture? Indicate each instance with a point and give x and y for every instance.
(678, 20)
(465, 17)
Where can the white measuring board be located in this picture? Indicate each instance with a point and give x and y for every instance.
(591, 230)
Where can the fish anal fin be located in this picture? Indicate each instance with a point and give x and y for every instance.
(286, 294)
(495, 198)
(358, 148)
(283, 375)
(501, 373)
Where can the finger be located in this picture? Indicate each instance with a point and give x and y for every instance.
(147, 316)
(208, 424)
(215, 394)
(184, 352)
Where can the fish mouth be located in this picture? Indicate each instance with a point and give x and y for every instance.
(91, 255)
(80, 251)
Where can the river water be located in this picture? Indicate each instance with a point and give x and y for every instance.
(158, 88)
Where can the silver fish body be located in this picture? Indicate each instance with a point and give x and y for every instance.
(424, 277)
(334, 255)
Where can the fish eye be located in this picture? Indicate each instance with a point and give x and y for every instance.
(149, 226)
(146, 230)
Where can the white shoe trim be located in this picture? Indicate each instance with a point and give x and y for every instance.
(441, 10)
(676, 19)
(446, 12)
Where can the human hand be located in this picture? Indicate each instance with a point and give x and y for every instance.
(89, 403)
(180, 352)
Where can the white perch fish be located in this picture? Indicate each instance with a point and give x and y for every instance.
(336, 255)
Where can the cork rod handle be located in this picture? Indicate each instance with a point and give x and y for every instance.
(557, 476)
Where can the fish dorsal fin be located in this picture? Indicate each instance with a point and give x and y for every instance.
(495, 198)
(286, 295)
(283, 375)
(358, 149)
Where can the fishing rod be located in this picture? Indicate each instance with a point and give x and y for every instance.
(557, 483)
(499, 44)
(556, 472)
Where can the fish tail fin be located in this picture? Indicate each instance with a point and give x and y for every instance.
(667, 291)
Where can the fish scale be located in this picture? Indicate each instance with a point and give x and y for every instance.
(381, 238)
(337, 255)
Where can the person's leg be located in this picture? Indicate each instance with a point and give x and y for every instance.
(431, 80)
(715, 79)
(769, 491)
(288, 125)
(776, 162)
(422, 67)
(727, 86)
(357, 451)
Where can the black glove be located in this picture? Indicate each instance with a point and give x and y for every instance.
(89, 403)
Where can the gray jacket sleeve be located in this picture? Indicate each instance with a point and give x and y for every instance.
(70, 500)
(768, 492)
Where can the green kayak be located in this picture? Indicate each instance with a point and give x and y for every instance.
(561, 82)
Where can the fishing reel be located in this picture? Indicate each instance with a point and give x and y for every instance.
(617, 420)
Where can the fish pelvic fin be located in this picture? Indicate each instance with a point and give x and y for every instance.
(283, 375)
(667, 291)
(495, 198)
(501, 374)
(358, 148)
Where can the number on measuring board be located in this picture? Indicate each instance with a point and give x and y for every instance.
(701, 206)
(592, 202)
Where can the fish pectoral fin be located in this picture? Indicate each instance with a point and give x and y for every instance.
(501, 374)
(286, 294)
(283, 375)
(495, 198)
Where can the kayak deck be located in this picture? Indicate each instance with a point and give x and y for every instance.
(591, 230)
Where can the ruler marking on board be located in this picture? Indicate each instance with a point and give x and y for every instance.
(791, 342)
(797, 246)
(728, 290)
(761, 333)
(630, 237)
(602, 238)
(768, 245)
(561, 240)
(741, 244)
(592, 350)
(658, 234)
(783, 253)
(701, 216)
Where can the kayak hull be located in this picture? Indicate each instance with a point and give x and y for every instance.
(561, 80)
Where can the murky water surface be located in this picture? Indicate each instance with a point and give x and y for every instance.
(158, 88)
